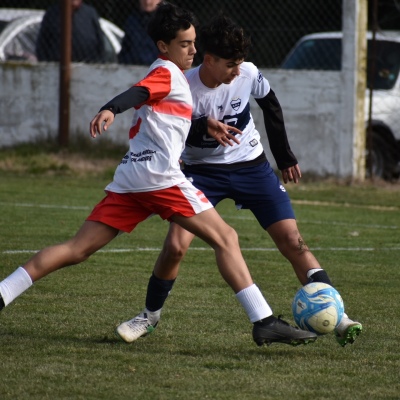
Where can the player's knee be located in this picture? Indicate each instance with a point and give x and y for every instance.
(77, 254)
(229, 238)
(292, 242)
(174, 250)
(296, 242)
(79, 257)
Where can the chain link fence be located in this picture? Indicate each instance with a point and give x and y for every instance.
(275, 28)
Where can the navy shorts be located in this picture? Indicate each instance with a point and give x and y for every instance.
(256, 188)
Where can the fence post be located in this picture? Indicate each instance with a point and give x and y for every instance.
(65, 73)
(354, 54)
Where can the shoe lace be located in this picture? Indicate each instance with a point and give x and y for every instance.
(138, 324)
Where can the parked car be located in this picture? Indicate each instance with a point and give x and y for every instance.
(19, 29)
(323, 51)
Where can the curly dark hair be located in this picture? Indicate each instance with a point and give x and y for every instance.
(167, 20)
(223, 38)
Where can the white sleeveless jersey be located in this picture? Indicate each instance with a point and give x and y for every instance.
(230, 104)
(158, 133)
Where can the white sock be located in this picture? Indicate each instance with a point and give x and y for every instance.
(153, 316)
(14, 285)
(254, 303)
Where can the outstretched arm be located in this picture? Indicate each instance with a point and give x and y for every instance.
(133, 97)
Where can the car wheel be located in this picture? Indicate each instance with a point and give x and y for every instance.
(380, 160)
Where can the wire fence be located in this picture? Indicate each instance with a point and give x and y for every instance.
(275, 26)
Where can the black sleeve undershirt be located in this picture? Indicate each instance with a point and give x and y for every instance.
(133, 97)
(276, 131)
(199, 126)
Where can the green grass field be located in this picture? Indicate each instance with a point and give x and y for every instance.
(57, 340)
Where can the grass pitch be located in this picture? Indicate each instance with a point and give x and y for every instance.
(57, 340)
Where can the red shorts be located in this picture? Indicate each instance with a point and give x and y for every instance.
(124, 211)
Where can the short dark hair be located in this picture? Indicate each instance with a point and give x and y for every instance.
(223, 38)
(167, 20)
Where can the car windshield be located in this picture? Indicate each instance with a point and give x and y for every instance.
(326, 54)
(320, 54)
(22, 47)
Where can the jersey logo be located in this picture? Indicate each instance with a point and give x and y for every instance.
(202, 140)
(220, 108)
(259, 77)
(254, 143)
(235, 103)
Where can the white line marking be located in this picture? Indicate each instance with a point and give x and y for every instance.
(155, 249)
(330, 204)
(45, 206)
(304, 221)
(243, 217)
(301, 202)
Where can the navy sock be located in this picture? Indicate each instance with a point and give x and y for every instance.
(320, 276)
(157, 292)
(2, 305)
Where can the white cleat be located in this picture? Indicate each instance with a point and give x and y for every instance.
(131, 330)
(347, 331)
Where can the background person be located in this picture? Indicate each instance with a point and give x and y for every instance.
(137, 47)
(87, 35)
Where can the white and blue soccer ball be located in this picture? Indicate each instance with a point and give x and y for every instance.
(317, 307)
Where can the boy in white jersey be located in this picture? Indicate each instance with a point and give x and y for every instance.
(222, 168)
(149, 180)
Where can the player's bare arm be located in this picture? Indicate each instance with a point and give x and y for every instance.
(222, 132)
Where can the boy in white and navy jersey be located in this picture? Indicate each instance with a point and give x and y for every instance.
(227, 160)
(149, 180)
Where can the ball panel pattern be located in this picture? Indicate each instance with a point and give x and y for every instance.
(317, 307)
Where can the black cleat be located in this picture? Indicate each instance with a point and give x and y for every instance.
(279, 331)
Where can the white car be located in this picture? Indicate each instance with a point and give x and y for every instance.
(323, 51)
(19, 29)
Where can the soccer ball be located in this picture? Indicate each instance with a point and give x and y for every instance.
(317, 307)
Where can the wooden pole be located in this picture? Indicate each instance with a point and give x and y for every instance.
(65, 73)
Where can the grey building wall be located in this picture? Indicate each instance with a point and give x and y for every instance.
(312, 101)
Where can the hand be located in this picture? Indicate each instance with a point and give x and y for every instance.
(220, 132)
(291, 174)
(105, 117)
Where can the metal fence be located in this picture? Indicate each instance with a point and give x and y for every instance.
(275, 26)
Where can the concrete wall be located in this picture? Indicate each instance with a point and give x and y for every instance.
(311, 101)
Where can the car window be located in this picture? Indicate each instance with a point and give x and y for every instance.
(386, 68)
(319, 54)
(22, 46)
(18, 40)
(326, 54)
